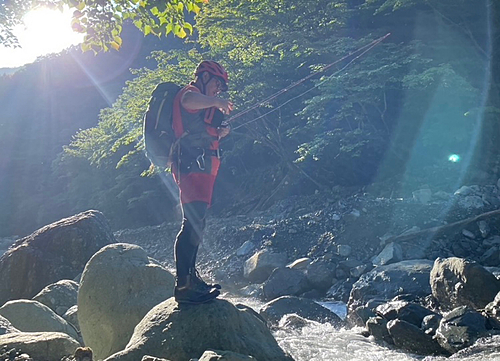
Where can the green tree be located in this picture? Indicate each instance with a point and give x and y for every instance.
(102, 20)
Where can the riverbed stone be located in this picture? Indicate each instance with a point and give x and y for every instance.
(259, 267)
(459, 282)
(273, 311)
(383, 283)
(40, 345)
(181, 332)
(59, 296)
(32, 316)
(119, 285)
(403, 310)
(285, 281)
(460, 328)
(413, 339)
(57, 251)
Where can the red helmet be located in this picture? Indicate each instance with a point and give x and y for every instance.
(215, 69)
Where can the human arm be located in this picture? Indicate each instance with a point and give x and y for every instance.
(195, 101)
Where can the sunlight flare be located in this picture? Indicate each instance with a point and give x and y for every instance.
(44, 31)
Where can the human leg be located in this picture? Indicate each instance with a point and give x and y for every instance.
(190, 288)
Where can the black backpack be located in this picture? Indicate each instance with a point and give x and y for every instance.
(158, 134)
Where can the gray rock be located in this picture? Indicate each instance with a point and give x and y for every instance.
(216, 325)
(273, 311)
(460, 328)
(412, 339)
(71, 316)
(464, 191)
(377, 327)
(32, 316)
(40, 345)
(59, 296)
(491, 257)
(151, 358)
(259, 267)
(430, 323)
(483, 349)
(340, 290)
(386, 282)
(484, 228)
(422, 196)
(245, 249)
(321, 274)
(356, 272)
(457, 282)
(392, 253)
(300, 264)
(293, 321)
(54, 252)
(403, 310)
(471, 202)
(285, 281)
(492, 241)
(493, 308)
(218, 355)
(468, 234)
(344, 250)
(119, 285)
(6, 326)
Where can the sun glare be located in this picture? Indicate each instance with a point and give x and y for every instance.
(44, 31)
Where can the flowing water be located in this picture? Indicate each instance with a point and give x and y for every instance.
(323, 342)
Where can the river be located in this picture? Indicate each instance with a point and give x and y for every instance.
(323, 342)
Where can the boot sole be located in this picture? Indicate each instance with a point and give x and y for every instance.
(209, 297)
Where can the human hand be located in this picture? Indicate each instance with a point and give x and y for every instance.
(225, 106)
(223, 131)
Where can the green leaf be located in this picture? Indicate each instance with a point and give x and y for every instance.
(189, 27)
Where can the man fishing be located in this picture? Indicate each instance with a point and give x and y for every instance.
(197, 121)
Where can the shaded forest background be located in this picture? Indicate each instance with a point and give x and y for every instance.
(70, 124)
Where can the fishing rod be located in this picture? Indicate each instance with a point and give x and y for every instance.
(360, 52)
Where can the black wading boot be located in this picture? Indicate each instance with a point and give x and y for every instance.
(192, 290)
(196, 278)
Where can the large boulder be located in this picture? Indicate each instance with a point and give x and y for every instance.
(32, 316)
(59, 296)
(40, 345)
(383, 283)
(458, 282)
(460, 328)
(411, 338)
(320, 274)
(260, 266)
(57, 251)
(181, 332)
(402, 310)
(285, 281)
(119, 285)
(273, 311)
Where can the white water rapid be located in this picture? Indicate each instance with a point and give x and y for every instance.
(322, 342)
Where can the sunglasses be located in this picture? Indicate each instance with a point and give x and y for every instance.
(220, 84)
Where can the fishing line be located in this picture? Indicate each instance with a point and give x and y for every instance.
(363, 50)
